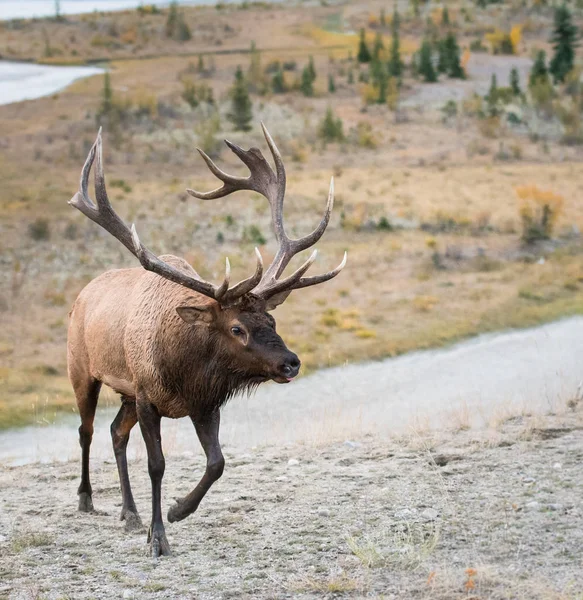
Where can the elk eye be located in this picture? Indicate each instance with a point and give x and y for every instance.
(236, 331)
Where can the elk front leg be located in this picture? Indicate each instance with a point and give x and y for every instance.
(149, 420)
(208, 434)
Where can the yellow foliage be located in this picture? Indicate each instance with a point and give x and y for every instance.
(465, 58)
(373, 21)
(424, 303)
(369, 93)
(515, 37)
(500, 42)
(539, 211)
(129, 36)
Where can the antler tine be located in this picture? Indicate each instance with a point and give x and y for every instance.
(315, 279)
(277, 286)
(245, 286)
(312, 238)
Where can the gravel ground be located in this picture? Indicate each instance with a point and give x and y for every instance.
(490, 514)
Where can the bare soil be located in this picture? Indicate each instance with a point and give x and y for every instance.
(463, 515)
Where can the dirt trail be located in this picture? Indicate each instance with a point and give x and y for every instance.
(474, 383)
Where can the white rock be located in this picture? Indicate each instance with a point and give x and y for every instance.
(128, 594)
(352, 444)
(533, 505)
(557, 466)
(293, 462)
(555, 506)
(323, 512)
(429, 514)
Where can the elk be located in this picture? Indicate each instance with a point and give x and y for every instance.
(174, 345)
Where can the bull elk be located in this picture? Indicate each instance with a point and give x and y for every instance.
(174, 345)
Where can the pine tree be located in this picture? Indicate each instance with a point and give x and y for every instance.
(200, 67)
(171, 19)
(396, 22)
(382, 84)
(445, 17)
(492, 96)
(312, 69)
(331, 128)
(452, 52)
(363, 51)
(539, 72)
(255, 72)
(515, 82)
(378, 47)
(307, 82)
(241, 106)
(443, 57)
(278, 82)
(106, 106)
(564, 41)
(395, 63)
(425, 67)
(331, 84)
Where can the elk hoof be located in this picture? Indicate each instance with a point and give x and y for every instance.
(159, 545)
(132, 521)
(85, 502)
(177, 512)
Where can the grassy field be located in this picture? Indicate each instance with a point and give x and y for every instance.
(426, 205)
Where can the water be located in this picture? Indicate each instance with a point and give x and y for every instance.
(489, 378)
(23, 81)
(26, 9)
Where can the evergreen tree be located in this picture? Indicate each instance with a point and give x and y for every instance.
(331, 84)
(312, 69)
(396, 22)
(241, 106)
(382, 84)
(452, 52)
(445, 17)
(443, 57)
(278, 82)
(425, 67)
(378, 47)
(539, 72)
(515, 82)
(255, 76)
(564, 41)
(200, 67)
(307, 82)
(171, 19)
(363, 51)
(395, 63)
(331, 128)
(106, 106)
(492, 96)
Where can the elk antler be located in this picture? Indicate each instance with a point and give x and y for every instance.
(104, 215)
(264, 181)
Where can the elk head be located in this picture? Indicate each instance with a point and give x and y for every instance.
(237, 316)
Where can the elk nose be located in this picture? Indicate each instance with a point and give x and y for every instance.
(291, 367)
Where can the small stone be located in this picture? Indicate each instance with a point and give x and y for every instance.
(404, 514)
(127, 594)
(281, 478)
(533, 505)
(528, 480)
(555, 507)
(352, 444)
(429, 514)
(557, 466)
(293, 462)
(323, 512)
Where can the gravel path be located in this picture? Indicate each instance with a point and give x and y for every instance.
(488, 517)
(475, 383)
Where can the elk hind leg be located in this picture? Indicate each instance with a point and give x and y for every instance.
(120, 435)
(87, 393)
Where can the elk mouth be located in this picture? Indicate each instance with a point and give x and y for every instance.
(282, 379)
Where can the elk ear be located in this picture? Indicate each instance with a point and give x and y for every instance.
(276, 300)
(195, 314)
